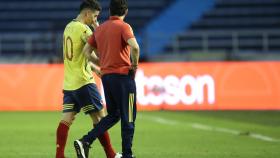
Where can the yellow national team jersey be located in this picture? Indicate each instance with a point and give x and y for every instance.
(77, 71)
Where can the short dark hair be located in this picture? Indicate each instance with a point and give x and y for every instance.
(90, 4)
(118, 7)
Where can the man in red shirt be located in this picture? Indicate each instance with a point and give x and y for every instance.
(113, 44)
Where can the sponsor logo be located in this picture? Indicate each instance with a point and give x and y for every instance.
(172, 90)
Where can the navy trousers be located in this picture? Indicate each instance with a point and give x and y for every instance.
(120, 95)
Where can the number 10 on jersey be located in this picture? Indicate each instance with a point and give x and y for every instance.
(67, 48)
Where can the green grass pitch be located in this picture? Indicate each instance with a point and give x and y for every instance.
(190, 134)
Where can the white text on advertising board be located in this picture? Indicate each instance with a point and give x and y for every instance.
(171, 89)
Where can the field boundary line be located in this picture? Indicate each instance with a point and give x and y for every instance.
(205, 127)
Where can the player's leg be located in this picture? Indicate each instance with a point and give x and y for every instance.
(127, 103)
(67, 119)
(62, 133)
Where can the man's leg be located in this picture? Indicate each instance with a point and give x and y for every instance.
(128, 116)
(105, 124)
(104, 139)
(62, 133)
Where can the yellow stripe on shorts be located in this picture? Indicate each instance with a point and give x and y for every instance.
(68, 106)
(130, 107)
(88, 108)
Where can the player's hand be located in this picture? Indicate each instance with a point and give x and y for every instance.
(95, 24)
(132, 71)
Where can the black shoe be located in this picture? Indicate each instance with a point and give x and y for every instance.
(82, 148)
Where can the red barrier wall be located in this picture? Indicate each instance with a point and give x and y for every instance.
(172, 86)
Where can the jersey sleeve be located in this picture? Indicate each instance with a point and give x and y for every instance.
(86, 34)
(127, 32)
(92, 41)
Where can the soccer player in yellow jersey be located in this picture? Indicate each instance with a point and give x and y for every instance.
(80, 91)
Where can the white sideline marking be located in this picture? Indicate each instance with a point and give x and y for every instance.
(164, 121)
(210, 128)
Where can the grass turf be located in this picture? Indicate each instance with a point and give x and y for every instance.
(158, 134)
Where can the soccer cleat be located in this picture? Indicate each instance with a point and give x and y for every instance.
(118, 155)
(82, 148)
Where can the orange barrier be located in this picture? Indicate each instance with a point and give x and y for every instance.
(169, 86)
(30, 87)
(210, 86)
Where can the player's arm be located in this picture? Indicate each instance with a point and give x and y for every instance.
(95, 69)
(88, 49)
(135, 52)
(90, 53)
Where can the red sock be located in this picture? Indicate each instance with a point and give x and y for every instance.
(104, 139)
(61, 138)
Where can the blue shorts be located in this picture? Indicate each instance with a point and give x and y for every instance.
(86, 98)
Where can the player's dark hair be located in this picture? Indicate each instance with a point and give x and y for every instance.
(118, 7)
(90, 4)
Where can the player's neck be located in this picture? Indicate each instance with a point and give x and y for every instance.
(80, 19)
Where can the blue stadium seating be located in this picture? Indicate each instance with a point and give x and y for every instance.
(40, 23)
(233, 25)
(35, 26)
